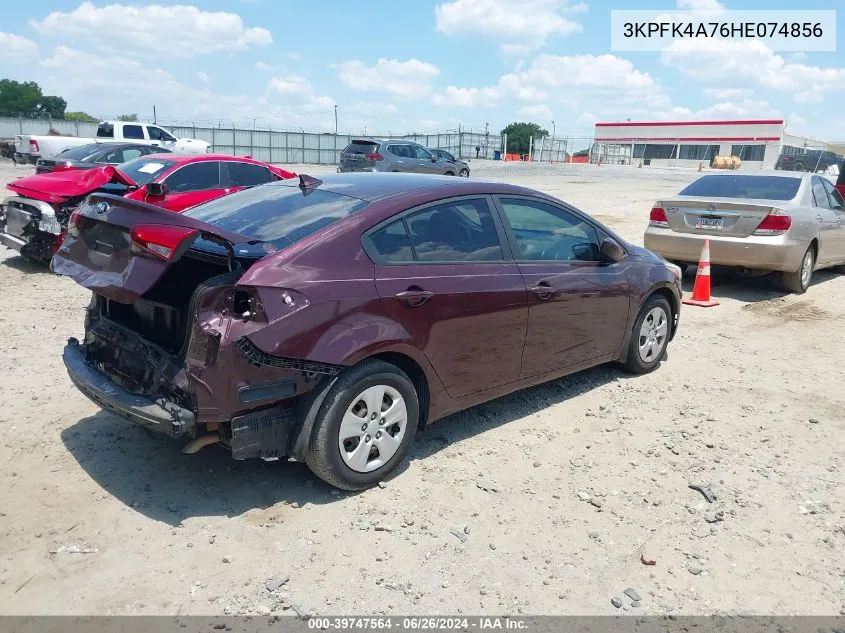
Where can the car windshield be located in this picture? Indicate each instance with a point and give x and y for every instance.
(276, 213)
(732, 186)
(83, 152)
(143, 170)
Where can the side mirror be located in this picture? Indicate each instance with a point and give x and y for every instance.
(611, 250)
(434, 158)
(157, 189)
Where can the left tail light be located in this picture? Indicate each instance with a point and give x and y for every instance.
(73, 223)
(776, 223)
(33, 146)
(658, 218)
(161, 240)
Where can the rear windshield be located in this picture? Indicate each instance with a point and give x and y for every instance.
(729, 186)
(105, 130)
(276, 213)
(361, 147)
(143, 170)
(83, 152)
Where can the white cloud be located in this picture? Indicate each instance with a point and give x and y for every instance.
(540, 112)
(574, 80)
(467, 97)
(515, 50)
(524, 21)
(203, 76)
(88, 82)
(726, 93)
(740, 62)
(263, 66)
(163, 31)
(14, 48)
(701, 5)
(293, 55)
(291, 85)
(407, 79)
(587, 118)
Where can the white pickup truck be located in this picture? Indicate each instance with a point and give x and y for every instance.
(28, 149)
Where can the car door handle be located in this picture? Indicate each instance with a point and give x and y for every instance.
(543, 290)
(414, 297)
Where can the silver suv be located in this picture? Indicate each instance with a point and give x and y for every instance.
(390, 155)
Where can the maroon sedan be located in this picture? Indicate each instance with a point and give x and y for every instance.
(327, 320)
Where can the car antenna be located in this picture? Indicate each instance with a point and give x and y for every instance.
(308, 182)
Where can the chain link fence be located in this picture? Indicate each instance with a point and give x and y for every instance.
(274, 146)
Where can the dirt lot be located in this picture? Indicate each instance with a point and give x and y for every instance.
(590, 472)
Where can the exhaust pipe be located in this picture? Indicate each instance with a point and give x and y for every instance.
(200, 442)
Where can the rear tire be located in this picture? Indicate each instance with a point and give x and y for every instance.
(345, 405)
(797, 282)
(799, 166)
(649, 336)
(464, 173)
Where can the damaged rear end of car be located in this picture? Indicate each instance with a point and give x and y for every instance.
(166, 340)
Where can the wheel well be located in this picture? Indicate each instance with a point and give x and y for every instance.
(449, 173)
(417, 376)
(814, 244)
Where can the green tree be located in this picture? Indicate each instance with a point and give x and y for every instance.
(52, 106)
(19, 98)
(128, 117)
(80, 116)
(519, 136)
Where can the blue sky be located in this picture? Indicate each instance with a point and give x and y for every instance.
(403, 65)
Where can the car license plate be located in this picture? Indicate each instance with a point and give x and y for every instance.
(712, 224)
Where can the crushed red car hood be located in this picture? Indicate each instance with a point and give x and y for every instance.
(62, 185)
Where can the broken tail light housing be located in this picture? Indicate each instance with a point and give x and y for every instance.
(73, 223)
(163, 241)
(776, 223)
(658, 218)
(33, 146)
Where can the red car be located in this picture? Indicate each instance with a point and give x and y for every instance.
(325, 320)
(840, 181)
(34, 221)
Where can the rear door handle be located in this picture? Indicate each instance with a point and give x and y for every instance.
(414, 298)
(543, 290)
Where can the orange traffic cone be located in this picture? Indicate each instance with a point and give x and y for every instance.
(701, 289)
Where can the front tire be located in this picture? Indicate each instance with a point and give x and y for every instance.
(797, 282)
(365, 426)
(649, 336)
(464, 173)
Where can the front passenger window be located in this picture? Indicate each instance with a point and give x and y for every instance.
(420, 152)
(195, 177)
(545, 232)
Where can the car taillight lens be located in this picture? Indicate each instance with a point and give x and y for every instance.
(73, 223)
(33, 146)
(375, 156)
(775, 223)
(657, 217)
(64, 166)
(161, 240)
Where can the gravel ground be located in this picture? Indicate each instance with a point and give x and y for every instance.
(546, 501)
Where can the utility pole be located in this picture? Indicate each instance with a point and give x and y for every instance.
(154, 114)
(335, 119)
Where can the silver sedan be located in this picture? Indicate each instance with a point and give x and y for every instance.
(758, 221)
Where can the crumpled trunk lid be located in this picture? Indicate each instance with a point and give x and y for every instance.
(63, 185)
(114, 246)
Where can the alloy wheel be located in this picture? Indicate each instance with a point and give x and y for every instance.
(653, 333)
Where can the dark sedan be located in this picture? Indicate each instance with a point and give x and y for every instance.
(326, 320)
(95, 155)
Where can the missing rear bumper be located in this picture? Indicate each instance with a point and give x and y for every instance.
(157, 415)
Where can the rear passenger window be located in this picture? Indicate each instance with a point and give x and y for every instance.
(247, 174)
(819, 194)
(195, 177)
(459, 231)
(392, 244)
(133, 131)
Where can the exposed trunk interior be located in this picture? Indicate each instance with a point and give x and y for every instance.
(162, 314)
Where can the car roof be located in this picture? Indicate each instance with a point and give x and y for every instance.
(762, 172)
(378, 186)
(198, 158)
